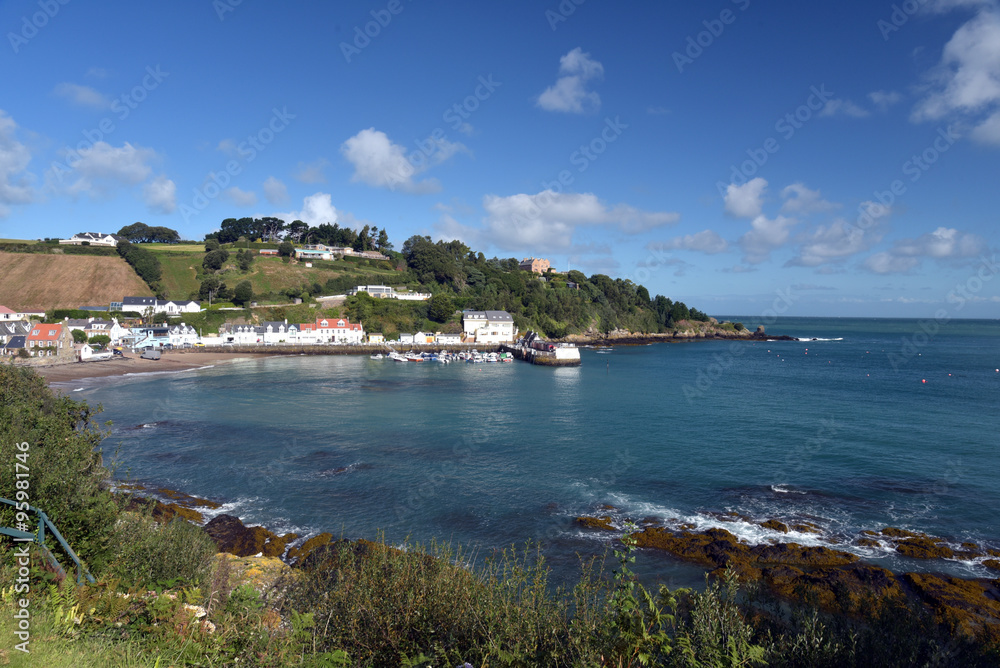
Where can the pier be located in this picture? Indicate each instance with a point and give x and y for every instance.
(532, 348)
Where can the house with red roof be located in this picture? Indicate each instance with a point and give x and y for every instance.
(50, 341)
(334, 330)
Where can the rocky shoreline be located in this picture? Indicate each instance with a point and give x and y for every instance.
(834, 580)
(686, 331)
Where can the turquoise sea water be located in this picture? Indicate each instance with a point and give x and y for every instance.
(842, 431)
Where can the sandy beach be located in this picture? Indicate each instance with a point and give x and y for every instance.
(132, 363)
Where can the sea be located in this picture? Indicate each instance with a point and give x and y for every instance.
(858, 425)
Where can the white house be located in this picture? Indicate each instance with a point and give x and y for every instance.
(336, 330)
(278, 332)
(172, 307)
(489, 326)
(423, 337)
(183, 334)
(389, 292)
(406, 338)
(95, 327)
(92, 239)
(10, 314)
(447, 339)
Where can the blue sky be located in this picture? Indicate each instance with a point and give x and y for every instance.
(835, 158)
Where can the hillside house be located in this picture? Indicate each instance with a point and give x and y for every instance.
(45, 340)
(488, 326)
(170, 307)
(534, 264)
(92, 239)
(447, 339)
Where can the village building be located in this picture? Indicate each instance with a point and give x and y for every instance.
(389, 292)
(170, 307)
(7, 314)
(9, 330)
(376, 337)
(96, 327)
(92, 239)
(488, 327)
(45, 340)
(14, 345)
(447, 339)
(338, 330)
(182, 336)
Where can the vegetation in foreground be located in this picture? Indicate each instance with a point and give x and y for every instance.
(163, 599)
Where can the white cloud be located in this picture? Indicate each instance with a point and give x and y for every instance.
(316, 210)
(745, 201)
(569, 93)
(312, 172)
(842, 108)
(14, 159)
(103, 166)
(830, 243)
(706, 241)
(241, 197)
(765, 235)
(883, 99)
(160, 195)
(886, 263)
(275, 191)
(801, 200)
(382, 164)
(84, 96)
(547, 220)
(227, 146)
(942, 243)
(966, 83)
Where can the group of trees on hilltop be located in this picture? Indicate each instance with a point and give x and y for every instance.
(142, 233)
(469, 280)
(369, 238)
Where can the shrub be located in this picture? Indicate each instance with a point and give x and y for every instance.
(149, 553)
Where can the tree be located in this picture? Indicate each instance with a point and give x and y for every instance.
(212, 244)
(271, 228)
(79, 336)
(244, 258)
(286, 249)
(215, 259)
(297, 230)
(383, 243)
(243, 294)
(440, 308)
(211, 288)
(99, 340)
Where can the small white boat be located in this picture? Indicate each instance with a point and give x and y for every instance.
(377, 356)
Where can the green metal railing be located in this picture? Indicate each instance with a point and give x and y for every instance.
(39, 539)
